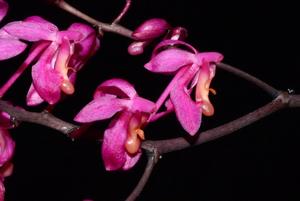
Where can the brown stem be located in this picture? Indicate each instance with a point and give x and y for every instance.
(152, 158)
(43, 118)
(115, 28)
(282, 101)
(254, 80)
(123, 12)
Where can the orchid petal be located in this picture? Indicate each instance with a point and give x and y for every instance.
(142, 104)
(71, 35)
(33, 98)
(170, 60)
(117, 87)
(187, 112)
(85, 48)
(40, 20)
(100, 108)
(84, 29)
(10, 48)
(7, 146)
(31, 31)
(46, 79)
(5, 35)
(173, 43)
(3, 9)
(131, 160)
(5, 121)
(210, 57)
(113, 150)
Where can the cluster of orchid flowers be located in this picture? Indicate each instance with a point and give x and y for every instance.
(56, 56)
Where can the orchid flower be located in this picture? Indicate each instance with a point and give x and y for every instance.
(122, 139)
(9, 45)
(7, 146)
(59, 55)
(192, 70)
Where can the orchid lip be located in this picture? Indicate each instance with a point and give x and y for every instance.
(133, 142)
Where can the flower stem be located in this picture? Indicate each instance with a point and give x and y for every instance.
(123, 12)
(115, 28)
(261, 84)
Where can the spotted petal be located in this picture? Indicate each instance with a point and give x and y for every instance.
(187, 112)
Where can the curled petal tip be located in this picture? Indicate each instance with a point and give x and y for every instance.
(178, 33)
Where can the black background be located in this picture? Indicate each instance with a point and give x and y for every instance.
(259, 162)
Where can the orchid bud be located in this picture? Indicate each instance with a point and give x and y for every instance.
(150, 29)
(137, 47)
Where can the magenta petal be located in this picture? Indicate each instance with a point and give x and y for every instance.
(3, 9)
(5, 121)
(117, 87)
(33, 98)
(113, 149)
(7, 146)
(173, 43)
(71, 35)
(40, 20)
(85, 48)
(47, 80)
(131, 160)
(100, 108)
(170, 60)
(187, 112)
(142, 105)
(10, 48)
(210, 57)
(31, 31)
(84, 29)
(5, 35)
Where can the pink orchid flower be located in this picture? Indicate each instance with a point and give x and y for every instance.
(7, 147)
(9, 45)
(122, 139)
(192, 70)
(60, 55)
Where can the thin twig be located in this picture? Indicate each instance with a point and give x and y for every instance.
(254, 80)
(43, 118)
(115, 28)
(170, 145)
(123, 12)
(152, 157)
